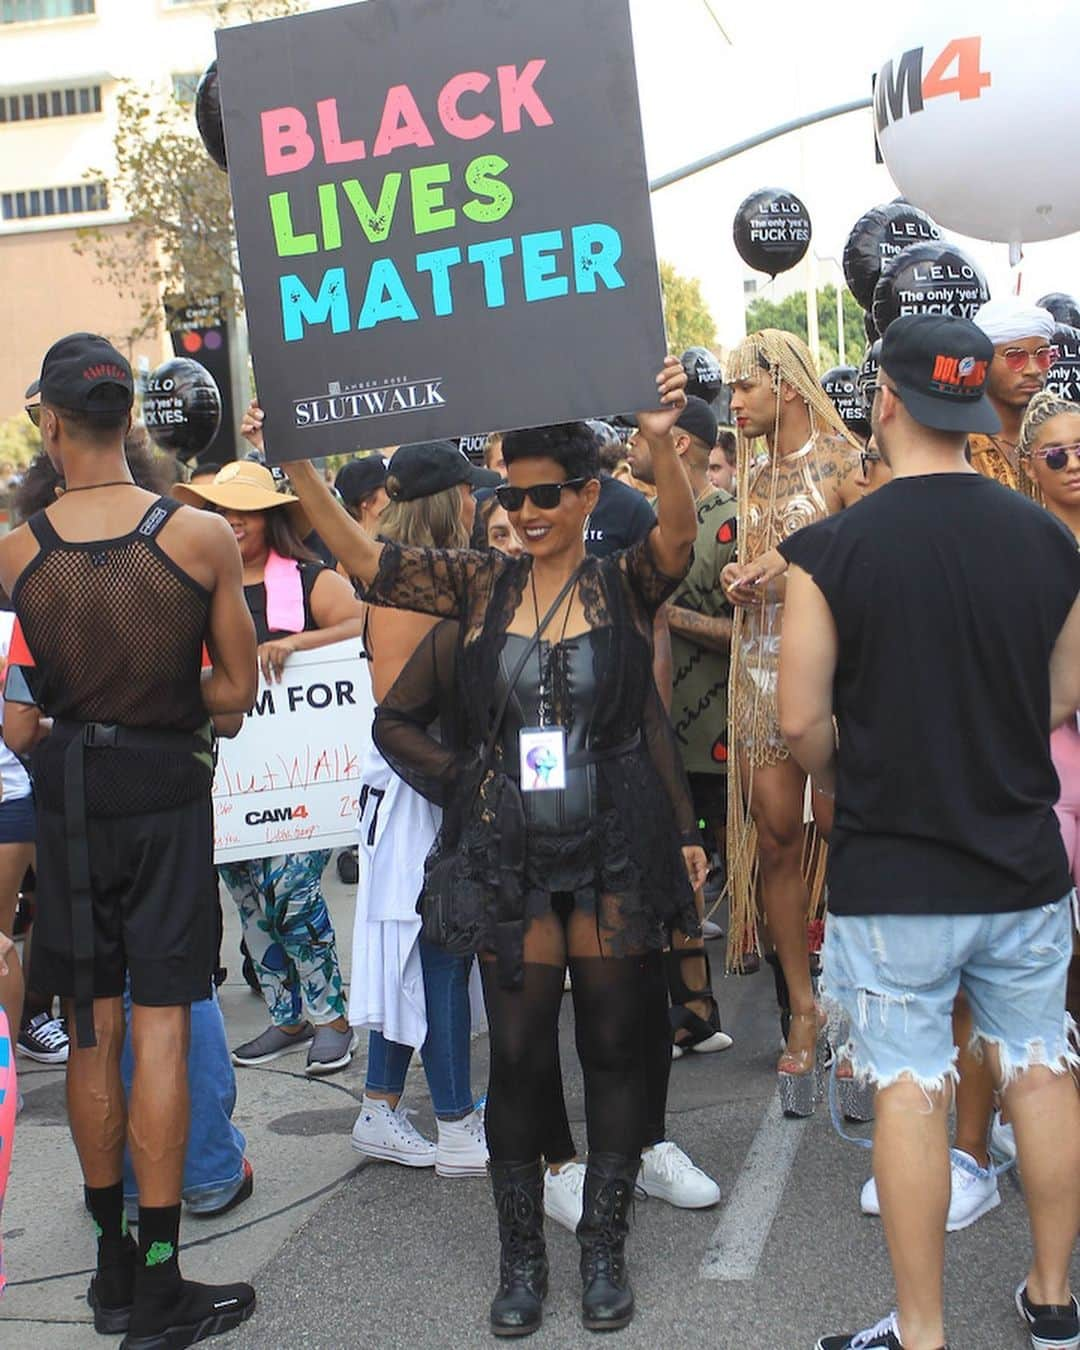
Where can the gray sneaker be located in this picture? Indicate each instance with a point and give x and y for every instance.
(331, 1050)
(272, 1043)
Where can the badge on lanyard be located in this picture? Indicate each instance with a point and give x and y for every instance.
(542, 752)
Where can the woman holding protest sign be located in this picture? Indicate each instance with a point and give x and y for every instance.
(553, 653)
(297, 604)
(411, 994)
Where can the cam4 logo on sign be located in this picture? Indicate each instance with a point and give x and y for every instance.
(275, 815)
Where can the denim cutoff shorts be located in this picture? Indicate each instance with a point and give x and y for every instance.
(894, 977)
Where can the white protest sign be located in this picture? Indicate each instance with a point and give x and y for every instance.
(288, 782)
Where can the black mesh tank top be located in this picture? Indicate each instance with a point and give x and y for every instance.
(116, 630)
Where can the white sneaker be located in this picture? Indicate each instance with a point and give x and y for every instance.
(462, 1148)
(564, 1192)
(974, 1192)
(1002, 1140)
(668, 1174)
(381, 1132)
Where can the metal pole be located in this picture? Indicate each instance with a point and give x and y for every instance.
(840, 346)
(677, 175)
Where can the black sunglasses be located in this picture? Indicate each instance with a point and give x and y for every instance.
(1056, 456)
(868, 457)
(33, 411)
(544, 496)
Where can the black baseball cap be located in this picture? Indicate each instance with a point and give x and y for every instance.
(428, 467)
(359, 478)
(940, 365)
(85, 373)
(699, 420)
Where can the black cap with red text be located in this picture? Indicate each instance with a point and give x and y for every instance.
(85, 373)
(940, 365)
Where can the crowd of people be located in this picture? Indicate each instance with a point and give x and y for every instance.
(826, 673)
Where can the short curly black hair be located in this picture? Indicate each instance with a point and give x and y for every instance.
(571, 444)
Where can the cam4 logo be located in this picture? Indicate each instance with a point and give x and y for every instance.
(902, 89)
(275, 815)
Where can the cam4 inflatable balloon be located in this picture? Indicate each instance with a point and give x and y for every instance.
(772, 230)
(1063, 307)
(704, 378)
(970, 109)
(933, 278)
(182, 407)
(882, 233)
(842, 386)
(1063, 377)
(208, 115)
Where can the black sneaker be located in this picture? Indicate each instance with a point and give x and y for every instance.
(45, 1039)
(1052, 1326)
(198, 1312)
(885, 1335)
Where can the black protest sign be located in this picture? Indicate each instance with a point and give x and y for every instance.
(443, 219)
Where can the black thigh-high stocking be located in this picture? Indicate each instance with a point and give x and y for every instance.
(524, 1036)
(608, 1015)
(656, 1038)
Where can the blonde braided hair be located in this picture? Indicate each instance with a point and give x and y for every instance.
(1044, 406)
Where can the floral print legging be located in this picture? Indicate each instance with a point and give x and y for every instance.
(289, 934)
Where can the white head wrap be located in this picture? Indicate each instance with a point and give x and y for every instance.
(1011, 320)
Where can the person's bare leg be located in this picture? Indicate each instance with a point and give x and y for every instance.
(14, 860)
(1045, 1112)
(911, 1167)
(776, 804)
(95, 1095)
(159, 1108)
(975, 1090)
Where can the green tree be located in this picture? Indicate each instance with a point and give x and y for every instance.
(790, 314)
(179, 236)
(686, 315)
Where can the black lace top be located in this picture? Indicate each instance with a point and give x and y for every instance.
(627, 850)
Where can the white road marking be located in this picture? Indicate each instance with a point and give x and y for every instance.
(735, 1248)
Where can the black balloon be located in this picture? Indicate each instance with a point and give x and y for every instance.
(869, 326)
(932, 278)
(182, 407)
(208, 115)
(842, 386)
(882, 233)
(704, 378)
(1064, 308)
(1063, 377)
(772, 230)
(867, 377)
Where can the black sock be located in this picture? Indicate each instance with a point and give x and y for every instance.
(159, 1244)
(106, 1205)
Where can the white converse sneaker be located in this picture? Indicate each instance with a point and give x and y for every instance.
(668, 1174)
(381, 1132)
(974, 1192)
(563, 1194)
(462, 1149)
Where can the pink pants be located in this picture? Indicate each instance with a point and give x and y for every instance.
(1065, 748)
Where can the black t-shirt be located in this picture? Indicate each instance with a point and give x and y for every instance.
(949, 592)
(621, 518)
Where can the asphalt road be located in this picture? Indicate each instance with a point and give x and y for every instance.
(346, 1253)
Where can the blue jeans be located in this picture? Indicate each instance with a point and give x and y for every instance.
(214, 1162)
(896, 977)
(446, 1047)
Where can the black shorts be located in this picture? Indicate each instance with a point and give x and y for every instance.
(708, 791)
(155, 903)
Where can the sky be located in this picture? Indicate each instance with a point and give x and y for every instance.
(700, 93)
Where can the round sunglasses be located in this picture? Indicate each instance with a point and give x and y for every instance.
(544, 496)
(1056, 456)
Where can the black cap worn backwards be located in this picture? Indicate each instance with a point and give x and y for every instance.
(699, 420)
(940, 365)
(359, 478)
(85, 373)
(432, 466)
